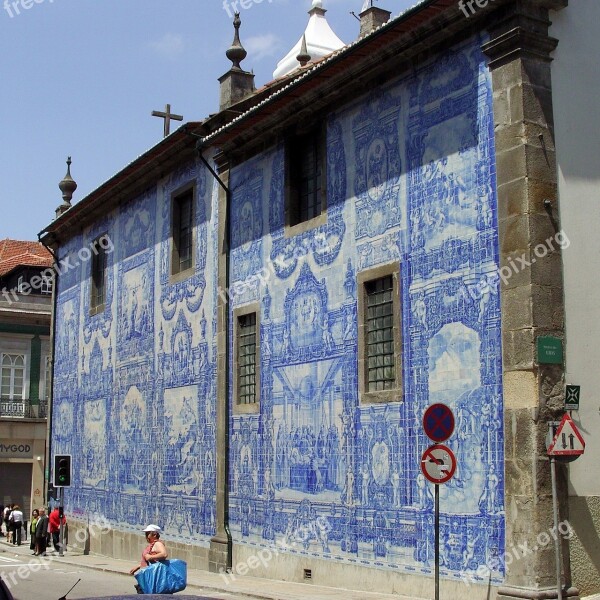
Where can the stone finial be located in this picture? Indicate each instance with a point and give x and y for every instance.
(236, 53)
(303, 57)
(236, 84)
(67, 186)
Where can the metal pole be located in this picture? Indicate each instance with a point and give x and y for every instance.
(437, 542)
(61, 527)
(557, 537)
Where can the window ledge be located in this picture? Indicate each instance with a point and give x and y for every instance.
(181, 276)
(246, 409)
(292, 230)
(383, 396)
(95, 310)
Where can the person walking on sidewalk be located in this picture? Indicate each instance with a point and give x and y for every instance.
(16, 520)
(54, 522)
(41, 533)
(153, 552)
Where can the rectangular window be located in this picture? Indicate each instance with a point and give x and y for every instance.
(246, 359)
(183, 234)
(380, 334)
(21, 284)
(98, 287)
(47, 284)
(12, 376)
(306, 177)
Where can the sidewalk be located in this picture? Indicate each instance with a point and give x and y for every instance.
(203, 582)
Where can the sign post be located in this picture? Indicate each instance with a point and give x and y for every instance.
(438, 465)
(568, 444)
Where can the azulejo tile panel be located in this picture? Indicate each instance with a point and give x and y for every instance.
(317, 469)
(135, 389)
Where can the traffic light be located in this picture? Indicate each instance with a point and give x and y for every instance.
(62, 470)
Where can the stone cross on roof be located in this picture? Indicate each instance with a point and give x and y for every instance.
(167, 116)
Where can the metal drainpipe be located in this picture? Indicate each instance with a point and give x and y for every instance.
(199, 148)
(52, 356)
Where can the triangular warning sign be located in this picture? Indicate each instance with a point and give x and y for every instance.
(568, 440)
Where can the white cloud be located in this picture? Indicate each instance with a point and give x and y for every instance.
(262, 46)
(169, 46)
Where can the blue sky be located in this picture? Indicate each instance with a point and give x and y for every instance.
(81, 77)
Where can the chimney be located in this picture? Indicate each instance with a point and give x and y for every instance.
(371, 18)
(236, 84)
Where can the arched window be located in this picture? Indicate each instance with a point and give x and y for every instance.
(13, 377)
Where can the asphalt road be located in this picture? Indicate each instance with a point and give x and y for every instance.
(53, 581)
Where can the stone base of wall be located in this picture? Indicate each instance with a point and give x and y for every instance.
(258, 562)
(584, 516)
(511, 593)
(96, 539)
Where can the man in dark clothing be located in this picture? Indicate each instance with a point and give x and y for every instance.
(41, 533)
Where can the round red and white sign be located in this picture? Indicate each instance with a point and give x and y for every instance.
(438, 464)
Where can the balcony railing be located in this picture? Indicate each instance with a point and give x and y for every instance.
(23, 409)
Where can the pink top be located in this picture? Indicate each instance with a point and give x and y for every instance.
(147, 550)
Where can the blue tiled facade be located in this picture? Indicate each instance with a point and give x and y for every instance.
(135, 384)
(410, 181)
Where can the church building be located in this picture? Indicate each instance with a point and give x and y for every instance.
(265, 303)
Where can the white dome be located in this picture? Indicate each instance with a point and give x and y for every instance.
(320, 41)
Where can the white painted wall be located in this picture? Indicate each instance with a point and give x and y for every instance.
(576, 85)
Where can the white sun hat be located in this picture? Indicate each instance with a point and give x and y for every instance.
(154, 528)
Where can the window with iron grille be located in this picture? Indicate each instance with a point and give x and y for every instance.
(13, 376)
(246, 359)
(98, 287)
(183, 232)
(306, 177)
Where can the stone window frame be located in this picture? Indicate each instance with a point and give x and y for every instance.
(100, 254)
(175, 276)
(363, 277)
(10, 366)
(319, 130)
(254, 408)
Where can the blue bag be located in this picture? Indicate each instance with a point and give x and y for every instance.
(163, 577)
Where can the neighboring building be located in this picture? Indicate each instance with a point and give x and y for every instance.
(25, 312)
(247, 360)
(576, 85)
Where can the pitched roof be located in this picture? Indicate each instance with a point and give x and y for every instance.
(15, 253)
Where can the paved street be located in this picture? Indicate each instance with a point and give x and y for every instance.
(104, 576)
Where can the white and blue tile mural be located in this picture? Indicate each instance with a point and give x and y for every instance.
(135, 389)
(410, 181)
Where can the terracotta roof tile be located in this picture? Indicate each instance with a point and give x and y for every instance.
(16, 253)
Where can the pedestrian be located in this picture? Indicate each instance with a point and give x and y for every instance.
(41, 533)
(54, 522)
(153, 552)
(16, 520)
(5, 517)
(35, 514)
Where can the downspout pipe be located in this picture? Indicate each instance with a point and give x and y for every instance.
(200, 147)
